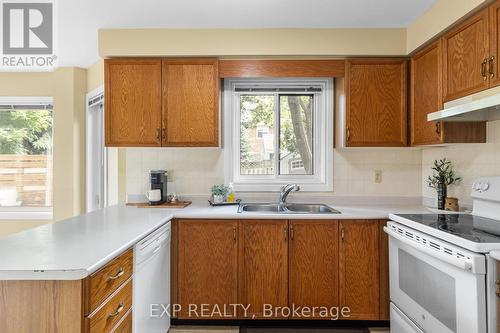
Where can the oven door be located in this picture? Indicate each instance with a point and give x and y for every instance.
(433, 285)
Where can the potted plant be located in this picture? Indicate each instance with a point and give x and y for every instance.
(219, 193)
(443, 175)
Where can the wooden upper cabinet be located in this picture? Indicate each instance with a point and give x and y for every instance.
(190, 102)
(493, 61)
(375, 103)
(426, 95)
(465, 57)
(132, 102)
(359, 269)
(314, 255)
(207, 261)
(263, 265)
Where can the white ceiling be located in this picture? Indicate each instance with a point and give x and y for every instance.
(79, 20)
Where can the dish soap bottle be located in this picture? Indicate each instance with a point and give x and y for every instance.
(231, 197)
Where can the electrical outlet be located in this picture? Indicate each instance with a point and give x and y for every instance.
(377, 176)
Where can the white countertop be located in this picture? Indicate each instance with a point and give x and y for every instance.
(75, 248)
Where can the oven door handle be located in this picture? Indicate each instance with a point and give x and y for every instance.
(466, 266)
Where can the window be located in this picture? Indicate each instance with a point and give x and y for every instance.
(26, 157)
(278, 131)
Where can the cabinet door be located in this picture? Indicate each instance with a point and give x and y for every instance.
(313, 274)
(493, 62)
(190, 102)
(207, 261)
(132, 102)
(359, 268)
(465, 56)
(263, 270)
(384, 272)
(375, 103)
(426, 95)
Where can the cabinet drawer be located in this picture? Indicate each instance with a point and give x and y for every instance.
(115, 308)
(126, 325)
(105, 281)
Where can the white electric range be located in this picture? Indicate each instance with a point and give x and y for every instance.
(443, 267)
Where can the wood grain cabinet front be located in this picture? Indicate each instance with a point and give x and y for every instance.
(465, 57)
(162, 102)
(263, 266)
(375, 103)
(314, 265)
(426, 97)
(359, 268)
(282, 264)
(105, 281)
(207, 266)
(190, 102)
(132, 102)
(109, 315)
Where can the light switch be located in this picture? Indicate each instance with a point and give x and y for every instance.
(377, 176)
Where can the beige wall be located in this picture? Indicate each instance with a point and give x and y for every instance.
(251, 42)
(68, 87)
(95, 75)
(443, 14)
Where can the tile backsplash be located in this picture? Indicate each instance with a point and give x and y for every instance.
(470, 161)
(404, 170)
(193, 171)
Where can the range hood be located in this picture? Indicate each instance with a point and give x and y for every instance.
(470, 108)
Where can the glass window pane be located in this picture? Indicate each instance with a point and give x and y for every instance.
(296, 135)
(25, 158)
(257, 135)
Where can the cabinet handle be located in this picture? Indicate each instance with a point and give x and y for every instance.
(438, 127)
(117, 275)
(291, 232)
(491, 69)
(119, 309)
(164, 133)
(234, 233)
(483, 69)
(342, 234)
(158, 134)
(348, 133)
(285, 229)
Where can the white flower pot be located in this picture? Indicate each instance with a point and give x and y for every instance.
(218, 199)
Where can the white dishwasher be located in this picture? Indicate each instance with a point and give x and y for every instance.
(152, 282)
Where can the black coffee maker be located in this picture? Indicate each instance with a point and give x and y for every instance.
(158, 180)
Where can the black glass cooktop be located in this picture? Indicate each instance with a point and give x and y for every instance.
(474, 228)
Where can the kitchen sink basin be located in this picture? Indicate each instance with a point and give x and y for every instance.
(290, 208)
(310, 209)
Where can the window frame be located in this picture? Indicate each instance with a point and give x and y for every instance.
(29, 213)
(323, 133)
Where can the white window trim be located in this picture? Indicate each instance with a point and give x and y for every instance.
(322, 180)
(27, 213)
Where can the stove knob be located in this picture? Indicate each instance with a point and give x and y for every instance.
(485, 187)
(475, 186)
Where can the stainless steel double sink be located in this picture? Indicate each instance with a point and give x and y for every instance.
(287, 208)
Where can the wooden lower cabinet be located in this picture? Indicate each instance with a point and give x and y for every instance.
(359, 269)
(282, 264)
(263, 265)
(100, 303)
(313, 264)
(207, 266)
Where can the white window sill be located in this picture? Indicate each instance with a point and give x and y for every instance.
(5, 215)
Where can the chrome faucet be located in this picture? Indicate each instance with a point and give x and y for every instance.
(285, 191)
